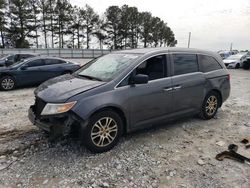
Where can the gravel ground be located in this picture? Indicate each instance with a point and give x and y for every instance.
(178, 154)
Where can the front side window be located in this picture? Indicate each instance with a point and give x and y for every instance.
(153, 67)
(185, 63)
(208, 63)
(10, 58)
(36, 63)
(107, 67)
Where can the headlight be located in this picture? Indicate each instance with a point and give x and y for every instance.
(50, 108)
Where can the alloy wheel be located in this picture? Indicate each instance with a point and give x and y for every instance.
(211, 105)
(104, 132)
(8, 83)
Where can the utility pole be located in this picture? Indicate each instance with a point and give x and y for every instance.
(189, 37)
(231, 47)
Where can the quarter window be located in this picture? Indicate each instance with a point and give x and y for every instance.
(185, 63)
(208, 63)
(153, 67)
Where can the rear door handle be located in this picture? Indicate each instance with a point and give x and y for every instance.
(177, 87)
(168, 89)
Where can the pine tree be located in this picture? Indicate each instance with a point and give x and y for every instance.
(90, 19)
(2, 22)
(21, 16)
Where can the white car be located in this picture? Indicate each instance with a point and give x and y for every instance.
(235, 61)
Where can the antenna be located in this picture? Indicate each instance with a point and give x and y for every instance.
(189, 37)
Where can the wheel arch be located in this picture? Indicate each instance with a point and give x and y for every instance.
(116, 109)
(6, 74)
(219, 94)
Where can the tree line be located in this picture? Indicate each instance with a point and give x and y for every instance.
(58, 24)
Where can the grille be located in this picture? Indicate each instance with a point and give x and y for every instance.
(38, 107)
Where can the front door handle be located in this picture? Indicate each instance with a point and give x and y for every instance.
(168, 89)
(177, 87)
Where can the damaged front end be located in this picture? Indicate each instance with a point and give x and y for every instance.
(61, 123)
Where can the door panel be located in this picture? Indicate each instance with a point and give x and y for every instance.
(188, 83)
(32, 74)
(188, 91)
(150, 101)
(53, 68)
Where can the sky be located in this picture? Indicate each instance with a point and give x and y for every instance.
(214, 24)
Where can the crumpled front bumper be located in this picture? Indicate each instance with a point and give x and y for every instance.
(55, 124)
(33, 119)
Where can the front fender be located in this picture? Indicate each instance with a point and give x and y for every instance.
(116, 99)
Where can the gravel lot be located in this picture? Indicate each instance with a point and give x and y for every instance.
(178, 154)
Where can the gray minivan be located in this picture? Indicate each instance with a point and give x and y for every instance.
(129, 90)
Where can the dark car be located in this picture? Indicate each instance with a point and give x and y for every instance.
(129, 90)
(10, 59)
(246, 64)
(34, 71)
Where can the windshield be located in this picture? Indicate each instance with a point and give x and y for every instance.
(232, 57)
(106, 67)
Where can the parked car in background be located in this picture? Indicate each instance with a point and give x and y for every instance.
(129, 90)
(235, 61)
(225, 54)
(10, 59)
(246, 64)
(34, 71)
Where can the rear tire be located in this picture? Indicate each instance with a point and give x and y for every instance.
(7, 83)
(103, 131)
(210, 105)
(237, 66)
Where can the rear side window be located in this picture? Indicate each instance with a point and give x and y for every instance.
(208, 63)
(185, 63)
(24, 56)
(53, 61)
(36, 63)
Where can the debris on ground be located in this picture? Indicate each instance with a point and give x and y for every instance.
(232, 154)
(246, 141)
(220, 143)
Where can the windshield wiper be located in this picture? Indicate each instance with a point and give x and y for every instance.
(90, 77)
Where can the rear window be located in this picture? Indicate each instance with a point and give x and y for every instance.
(185, 63)
(208, 63)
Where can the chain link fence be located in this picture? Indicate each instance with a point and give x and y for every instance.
(63, 53)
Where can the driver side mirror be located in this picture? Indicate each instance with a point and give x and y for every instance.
(139, 79)
(24, 67)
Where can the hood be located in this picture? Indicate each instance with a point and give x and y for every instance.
(230, 61)
(61, 88)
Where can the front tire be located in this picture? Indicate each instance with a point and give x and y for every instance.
(103, 131)
(210, 105)
(7, 83)
(237, 66)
